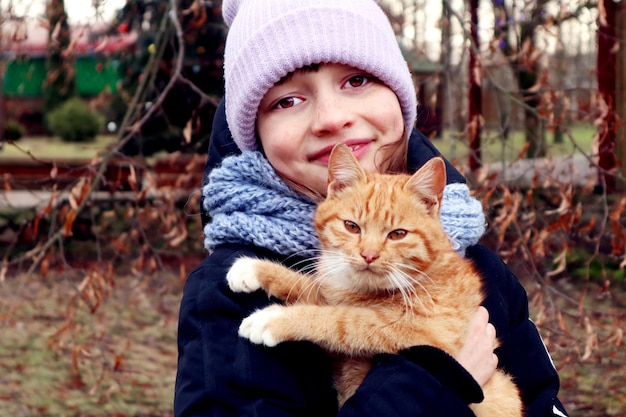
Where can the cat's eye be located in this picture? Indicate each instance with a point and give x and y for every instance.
(397, 234)
(352, 227)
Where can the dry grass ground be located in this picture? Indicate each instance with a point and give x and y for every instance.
(121, 360)
(57, 360)
(588, 348)
(50, 148)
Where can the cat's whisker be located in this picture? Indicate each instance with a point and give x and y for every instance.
(416, 276)
(305, 254)
(316, 277)
(411, 268)
(414, 285)
(306, 267)
(309, 277)
(408, 291)
(406, 299)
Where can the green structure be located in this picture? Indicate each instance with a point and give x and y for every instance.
(25, 76)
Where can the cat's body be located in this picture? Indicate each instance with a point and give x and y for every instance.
(387, 279)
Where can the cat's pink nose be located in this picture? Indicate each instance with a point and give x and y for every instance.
(369, 257)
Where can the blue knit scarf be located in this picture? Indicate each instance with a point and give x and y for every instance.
(250, 204)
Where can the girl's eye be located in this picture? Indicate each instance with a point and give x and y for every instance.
(352, 227)
(287, 102)
(357, 81)
(397, 234)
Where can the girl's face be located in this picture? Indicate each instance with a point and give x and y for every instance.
(303, 116)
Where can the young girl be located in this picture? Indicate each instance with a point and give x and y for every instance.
(301, 76)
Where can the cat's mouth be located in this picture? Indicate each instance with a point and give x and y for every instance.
(371, 270)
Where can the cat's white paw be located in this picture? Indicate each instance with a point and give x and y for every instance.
(241, 277)
(256, 327)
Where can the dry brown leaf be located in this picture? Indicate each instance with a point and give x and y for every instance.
(180, 236)
(187, 131)
(591, 343)
(117, 364)
(152, 264)
(44, 266)
(617, 338)
(68, 224)
(616, 214)
(7, 181)
(522, 153)
(54, 171)
(561, 321)
(589, 226)
(132, 178)
(561, 263)
(182, 272)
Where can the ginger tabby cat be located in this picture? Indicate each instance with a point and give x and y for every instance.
(387, 279)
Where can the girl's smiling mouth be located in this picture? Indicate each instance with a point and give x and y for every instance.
(358, 146)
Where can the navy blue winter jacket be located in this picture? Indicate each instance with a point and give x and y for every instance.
(221, 374)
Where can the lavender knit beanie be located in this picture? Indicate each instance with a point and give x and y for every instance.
(268, 39)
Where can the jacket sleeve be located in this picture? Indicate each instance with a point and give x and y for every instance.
(522, 353)
(220, 374)
(421, 381)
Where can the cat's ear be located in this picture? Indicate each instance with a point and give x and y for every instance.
(428, 183)
(344, 169)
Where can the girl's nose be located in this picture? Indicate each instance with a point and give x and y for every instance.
(331, 115)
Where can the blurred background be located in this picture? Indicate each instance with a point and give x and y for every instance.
(105, 116)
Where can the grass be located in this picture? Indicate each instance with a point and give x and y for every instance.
(51, 148)
(493, 149)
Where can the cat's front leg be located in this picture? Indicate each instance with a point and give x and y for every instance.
(345, 330)
(261, 326)
(242, 276)
(250, 274)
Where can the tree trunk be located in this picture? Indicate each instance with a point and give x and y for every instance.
(474, 124)
(60, 82)
(445, 113)
(620, 106)
(606, 71)
(527, 78)
(525, 67)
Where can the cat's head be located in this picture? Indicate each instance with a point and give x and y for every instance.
(378, 230)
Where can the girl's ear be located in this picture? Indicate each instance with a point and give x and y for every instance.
(428, 183)
(344, 169)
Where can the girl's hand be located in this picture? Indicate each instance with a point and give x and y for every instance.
(476, 355)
